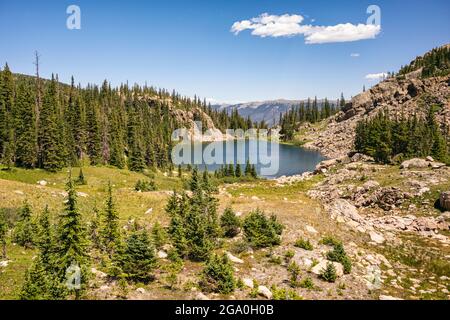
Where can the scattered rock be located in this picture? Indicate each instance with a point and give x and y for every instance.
(430, 159)
(82, 194)
(234, 259)
(201, 296)
(437, 165)
(19, 192)
(325, 165)
(4, 264)
(149, 211)
(383, 297)
(255, 198)
(98, 273)
(265, 292)
(42, 183)
(248, 282)
(141, 290)
(162, 254)
(376, 237)
(311, 230)
(415, 163)
(341, 207)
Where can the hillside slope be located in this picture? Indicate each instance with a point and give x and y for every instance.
(403, 95)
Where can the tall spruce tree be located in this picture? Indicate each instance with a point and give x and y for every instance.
(25, 229)
(26, 140)
(49, 139)
(6, 115)
(110, 231)
(71, 253)
(3, 233)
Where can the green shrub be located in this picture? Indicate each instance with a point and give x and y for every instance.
(304, 244)
(217, 276)
(81, 179)
(239, 247)
(230, 223)
(260, 231)
(145, 186)
(283, 294)
(159, 235)
(137, 257)
(294, 269)
(25, 229)
(289, 255)
(329, 273)
(329, 241)
(275, 259)
(338, 255)
(307, 283)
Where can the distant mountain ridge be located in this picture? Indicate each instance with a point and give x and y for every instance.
(269, 110)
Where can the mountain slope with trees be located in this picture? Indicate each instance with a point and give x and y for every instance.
(412, 97)
(50, 125)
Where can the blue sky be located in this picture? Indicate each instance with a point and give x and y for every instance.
(188, 46)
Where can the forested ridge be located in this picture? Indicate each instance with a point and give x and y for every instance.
(434, 63)
(312, 111)
(50, 125)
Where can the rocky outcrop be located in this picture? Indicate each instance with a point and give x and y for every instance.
(196, 133)
(401, 96)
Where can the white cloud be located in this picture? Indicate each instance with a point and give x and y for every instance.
(355, 55)
(376, 76)
(290, 25)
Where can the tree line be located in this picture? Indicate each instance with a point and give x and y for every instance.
(312, 111)
(49, 125)
(389, 139)
(434, 63)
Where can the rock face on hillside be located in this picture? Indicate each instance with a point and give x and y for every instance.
(401, 96)
(187, 119)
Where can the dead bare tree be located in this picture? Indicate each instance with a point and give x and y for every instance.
(38, 103)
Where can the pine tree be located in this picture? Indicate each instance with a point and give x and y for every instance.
(159, 235)
(137, 259)
(94, 230)
(198, 243)
(217, 276)
(72, 241)
(42, 284)
(248, 168)
(136, 161)
(93, 144)
(110, 232)
(26, 141)
(24, 231)
(178, 234)
(230, 223)
(195, 183)
(81, 179)
(6, 115)
(238, 171)
(44, 237)
(49, 139)
(3, 233)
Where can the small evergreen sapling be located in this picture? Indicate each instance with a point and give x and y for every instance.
(261, 231)
(217, 276)
(329, 273)
(230, 223)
